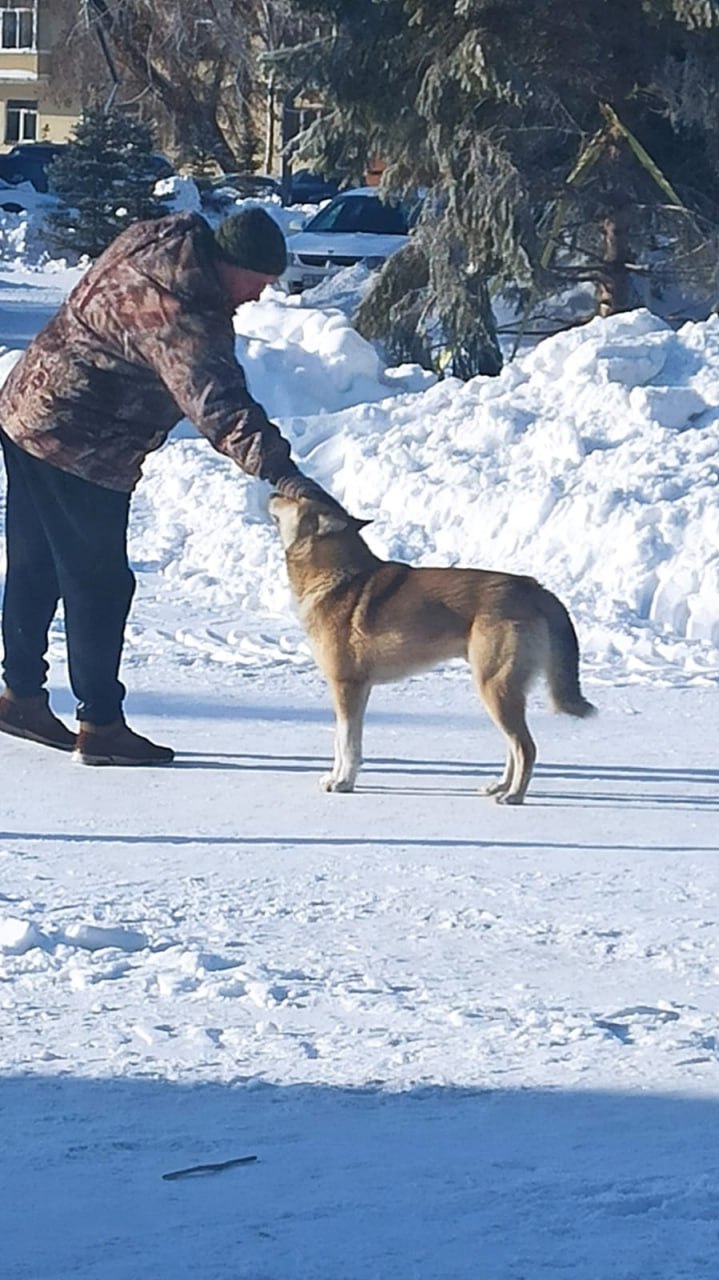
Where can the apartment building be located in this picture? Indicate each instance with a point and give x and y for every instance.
(40, 97)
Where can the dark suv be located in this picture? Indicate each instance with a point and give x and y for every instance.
(305, 187)
(29, 162)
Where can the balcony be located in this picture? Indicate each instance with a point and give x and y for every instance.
(24, 70)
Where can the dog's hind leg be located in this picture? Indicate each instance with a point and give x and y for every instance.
(350, 700)
(507, 709)
(503, 663)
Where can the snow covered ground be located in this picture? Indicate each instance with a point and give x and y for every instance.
(461, 1040)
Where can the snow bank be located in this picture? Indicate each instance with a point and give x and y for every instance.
(591, 462)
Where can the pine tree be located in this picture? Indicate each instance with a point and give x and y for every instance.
(557, 143)
(105, 182)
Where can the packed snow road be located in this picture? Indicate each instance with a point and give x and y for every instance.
(436, 1022)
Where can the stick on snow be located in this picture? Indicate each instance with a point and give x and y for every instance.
(207, 1168)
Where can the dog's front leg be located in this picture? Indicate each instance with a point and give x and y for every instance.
(350, 700)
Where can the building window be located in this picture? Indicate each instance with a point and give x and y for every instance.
(21, 121)
(17, 25)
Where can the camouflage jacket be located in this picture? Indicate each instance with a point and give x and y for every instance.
(144, 339)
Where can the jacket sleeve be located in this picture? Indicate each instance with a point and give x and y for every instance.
(195, 359)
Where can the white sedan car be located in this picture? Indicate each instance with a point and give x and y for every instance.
(354, 227)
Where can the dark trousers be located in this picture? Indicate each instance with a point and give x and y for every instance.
(66, 539)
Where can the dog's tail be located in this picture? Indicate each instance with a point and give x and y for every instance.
(563, 661)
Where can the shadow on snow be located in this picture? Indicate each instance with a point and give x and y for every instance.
(432, 1184)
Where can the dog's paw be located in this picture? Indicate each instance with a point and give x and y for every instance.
(497, 789)
(328, 782)
(508, 798)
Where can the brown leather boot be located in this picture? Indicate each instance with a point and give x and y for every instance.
(32, 718)
(117, 744)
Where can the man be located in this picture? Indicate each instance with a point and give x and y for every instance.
(144, 339)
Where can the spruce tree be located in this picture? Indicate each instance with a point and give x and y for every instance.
(104, 181)
(557, 143)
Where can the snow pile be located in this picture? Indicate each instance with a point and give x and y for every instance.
(591, 463)
(343, 291)
(22, 230)
(182, 193)
(14, 229)
(308, 361)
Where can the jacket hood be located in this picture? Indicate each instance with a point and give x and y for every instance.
(177, 253)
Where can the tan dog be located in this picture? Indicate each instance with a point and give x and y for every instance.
(370, 621)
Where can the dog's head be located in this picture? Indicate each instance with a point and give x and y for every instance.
(305, 520)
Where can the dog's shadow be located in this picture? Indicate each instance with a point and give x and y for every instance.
(553, 783)
(635, 786)
(613, 785)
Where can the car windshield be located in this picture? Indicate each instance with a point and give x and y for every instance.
(360, 213)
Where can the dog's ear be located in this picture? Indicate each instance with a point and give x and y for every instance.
(360, 524)
(331, 522)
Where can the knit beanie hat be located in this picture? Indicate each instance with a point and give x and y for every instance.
(253, 240)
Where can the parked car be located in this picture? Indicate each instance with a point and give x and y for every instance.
(305, 187)
(21, 197)
(29, 162)
(160, 166)
(219, 193)
(356, 226)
